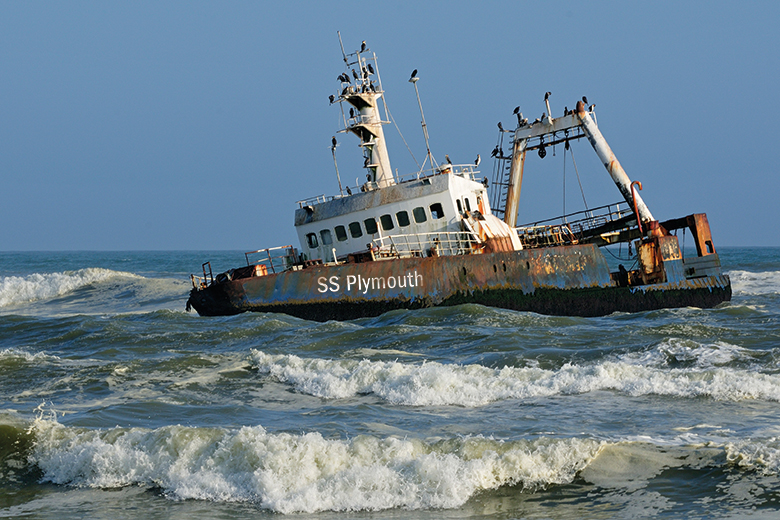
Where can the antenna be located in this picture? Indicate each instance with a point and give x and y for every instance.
(413, 81)
(342, 47)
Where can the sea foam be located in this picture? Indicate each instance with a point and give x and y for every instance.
(432, 383)
(41, 286)
(745, 282)
(304, 472)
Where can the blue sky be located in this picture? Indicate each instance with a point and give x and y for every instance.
(198, 125)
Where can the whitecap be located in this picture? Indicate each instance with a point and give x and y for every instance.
(436, 384)
(290, 473)
(42, 286)
(746, 282)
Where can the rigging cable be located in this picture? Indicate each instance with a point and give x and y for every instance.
(399, 132)
(578, 179)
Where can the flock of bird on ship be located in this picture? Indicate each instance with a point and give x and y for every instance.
(368, 70)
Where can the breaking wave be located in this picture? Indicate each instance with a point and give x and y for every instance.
(38, 286)
(290, 473)
(746, 282)
(680, 368)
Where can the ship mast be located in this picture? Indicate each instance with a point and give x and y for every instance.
(362, 89)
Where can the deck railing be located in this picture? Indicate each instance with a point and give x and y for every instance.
(467, 171)
(275, 259)
(575, 227)
(444, 243)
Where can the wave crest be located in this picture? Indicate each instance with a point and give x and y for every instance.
(746, 282)
(436, 384)
(303, 473)
(42, 286)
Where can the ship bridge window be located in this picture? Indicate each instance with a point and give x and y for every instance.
(387, 222)
(437, 211)
(468, 204)
(354, 230)
(419, 215)
(460, 206)
(311, 240)
(326, 237)
(403, 218)
(370, 225)
(341, 233)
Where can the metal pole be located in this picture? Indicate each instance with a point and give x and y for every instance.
(333, 151)
(515, 182)
(424, 126)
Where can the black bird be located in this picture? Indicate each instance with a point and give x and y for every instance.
(370, 69)
(349, 191)
(500, 126)
(363, 46)
(414, 74)
(566, 111)
(494, 152)
(333, 140)
(485, 182)
(585, 100)
(547, 95)
(447, 158)
(479, 160)
(332, 98)
(354, 74)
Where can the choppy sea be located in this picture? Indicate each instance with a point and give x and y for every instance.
(116, 403)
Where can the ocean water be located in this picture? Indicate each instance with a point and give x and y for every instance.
(116, 403)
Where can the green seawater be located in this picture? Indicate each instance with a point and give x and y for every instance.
(116, 403)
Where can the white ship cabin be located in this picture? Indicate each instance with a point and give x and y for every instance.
(406, 218)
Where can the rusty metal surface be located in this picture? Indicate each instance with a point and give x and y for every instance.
(572, 280)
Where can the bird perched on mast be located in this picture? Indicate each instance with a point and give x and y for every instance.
(363, 46)
(479, 159)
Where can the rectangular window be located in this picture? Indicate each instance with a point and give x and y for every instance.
(419, 215)
(403, 218)
(460, 206)
(311, 240)
(468, 204)
(370, 225)
(341, 233)
(437, 211)
(326, 237)
(354, 230)
(387, 222)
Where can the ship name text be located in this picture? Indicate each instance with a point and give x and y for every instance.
(361, 284)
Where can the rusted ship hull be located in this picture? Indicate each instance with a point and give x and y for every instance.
(567, 280)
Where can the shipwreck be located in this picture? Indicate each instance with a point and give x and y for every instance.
(444, 235)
